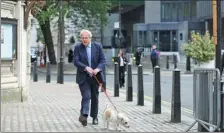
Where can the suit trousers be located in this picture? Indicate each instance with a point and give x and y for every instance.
(89, 91)
(121, 75)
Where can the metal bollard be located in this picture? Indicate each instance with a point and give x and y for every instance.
(176, 99)
(175, 61)
(167, 62)
(188, 65)
(140, 95)
(58, 76)
(156, 91)
(129, 92)
(48, 74)
(35, 75)
(116, 79)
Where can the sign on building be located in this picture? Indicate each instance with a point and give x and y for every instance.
(7, 41)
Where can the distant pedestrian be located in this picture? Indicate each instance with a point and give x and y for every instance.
(138, 55)
(70, 56)
(122, 61)
(154, 57)
(90, 61)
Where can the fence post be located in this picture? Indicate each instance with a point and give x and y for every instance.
(129, 92)
(140, 100)
(48, 74)
(167, 62)
(156, 92)
(116, 79)
(222, 106)
(176, 98)
(35, 75)
(188, 65)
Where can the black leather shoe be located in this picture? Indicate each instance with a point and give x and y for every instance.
(83, 120)
(95, 121)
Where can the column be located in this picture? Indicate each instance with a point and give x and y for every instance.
(22, 51)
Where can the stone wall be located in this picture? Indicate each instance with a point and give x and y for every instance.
(14, 73)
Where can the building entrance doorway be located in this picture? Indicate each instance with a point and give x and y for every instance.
(165, 40)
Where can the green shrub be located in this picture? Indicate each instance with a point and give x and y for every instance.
(200, 47)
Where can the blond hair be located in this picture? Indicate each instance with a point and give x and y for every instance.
(87, 31)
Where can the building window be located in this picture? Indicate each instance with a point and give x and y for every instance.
(187, 11)
(178, 11)
(181, 12)
(193, 9)
(174, 11)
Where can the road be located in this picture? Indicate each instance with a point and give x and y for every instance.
(166, 86)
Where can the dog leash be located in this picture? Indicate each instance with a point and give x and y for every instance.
(100, 84)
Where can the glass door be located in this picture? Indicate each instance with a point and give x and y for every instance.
(165, 40)
(174, 44)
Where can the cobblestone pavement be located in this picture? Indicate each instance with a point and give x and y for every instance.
(55, 108)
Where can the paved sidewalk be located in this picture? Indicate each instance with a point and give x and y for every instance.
(54, 107)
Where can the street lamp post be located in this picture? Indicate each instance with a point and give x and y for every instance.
(120, 35)
(61, 41)
(218, 52)
(219, 32)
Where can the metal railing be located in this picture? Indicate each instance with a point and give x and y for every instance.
(206, 99)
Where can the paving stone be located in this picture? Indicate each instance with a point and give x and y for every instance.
(55, 108)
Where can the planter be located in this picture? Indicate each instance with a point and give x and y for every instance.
(210, 64)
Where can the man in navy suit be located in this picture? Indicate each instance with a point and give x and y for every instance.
(90, 61)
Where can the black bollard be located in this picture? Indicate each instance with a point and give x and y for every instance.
(129, 92)
(58, 76)
(167, 62)
(156, 91)
(116, 79)
(176, 99)
(48, 74)
(35, 75)
(188, 65)
(175, 61)
(140, 100)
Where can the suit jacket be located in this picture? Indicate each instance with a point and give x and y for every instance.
(81, 61)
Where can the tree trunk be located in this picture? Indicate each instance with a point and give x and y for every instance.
(45, 27)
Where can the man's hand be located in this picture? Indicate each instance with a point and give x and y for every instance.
(89, 70)
(95, 71)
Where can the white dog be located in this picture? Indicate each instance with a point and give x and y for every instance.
(112, 116)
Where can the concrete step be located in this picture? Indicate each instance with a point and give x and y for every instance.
(9, 86)
(8, 79)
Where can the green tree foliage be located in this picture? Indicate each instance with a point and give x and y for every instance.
(90, 9)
